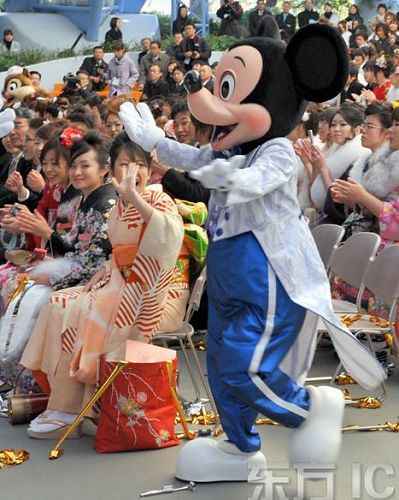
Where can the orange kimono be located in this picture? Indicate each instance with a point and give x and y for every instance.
(141, 287)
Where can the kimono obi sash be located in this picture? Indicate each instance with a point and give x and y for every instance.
(124, 256)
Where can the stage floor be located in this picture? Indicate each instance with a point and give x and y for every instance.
(368, 466)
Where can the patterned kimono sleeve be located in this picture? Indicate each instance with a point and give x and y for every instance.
(156, 261)
(389, 221)
(91, 253)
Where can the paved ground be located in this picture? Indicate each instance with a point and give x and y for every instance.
(368, 465)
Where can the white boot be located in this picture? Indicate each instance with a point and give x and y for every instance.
(318, 439)
(205, 460)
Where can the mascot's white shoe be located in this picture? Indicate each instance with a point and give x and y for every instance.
(318, 439)
(205, 460)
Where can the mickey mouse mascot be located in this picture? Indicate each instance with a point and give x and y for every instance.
(266, 282)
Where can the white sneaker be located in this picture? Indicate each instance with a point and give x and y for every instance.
(318, 439)
(52, 424)
(205, 460)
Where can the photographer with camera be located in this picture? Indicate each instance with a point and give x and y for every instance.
(193, 48)
(96, 67)
(230, 13)
(77, 85)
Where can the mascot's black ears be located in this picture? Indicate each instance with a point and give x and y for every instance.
(318, 58)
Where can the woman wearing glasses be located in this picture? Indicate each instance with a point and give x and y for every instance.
(371, 191)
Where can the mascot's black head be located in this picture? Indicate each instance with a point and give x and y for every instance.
(262, 87)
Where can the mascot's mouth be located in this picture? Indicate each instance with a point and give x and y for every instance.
(220, 132)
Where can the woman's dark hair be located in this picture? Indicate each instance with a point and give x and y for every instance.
(312, 123)
(56, 105)
(328, 114)
(156, 107)
(96, 101)
(179, 12)
(113, 22)
(46, 132)
(354, 6)
(383, 27)
(369, 66)
(123, 143)
(118, 45)
(85, 118)
(352, 114)
(90, 142)
(35, 123)
(383, 114)
(93, 100)
(54, 145)
(384, 65)
(395, 115)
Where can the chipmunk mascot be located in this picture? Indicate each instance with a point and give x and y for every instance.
(17, 85)
(267, 286)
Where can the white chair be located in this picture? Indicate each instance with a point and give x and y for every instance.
(382, 279)
(185, 334)
(327, 238)
(350, 262)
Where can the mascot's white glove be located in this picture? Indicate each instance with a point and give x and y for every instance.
(140, 125)
(220, 174)
(7, 118)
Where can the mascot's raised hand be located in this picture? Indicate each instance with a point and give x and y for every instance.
(7, 118)
(140, 125)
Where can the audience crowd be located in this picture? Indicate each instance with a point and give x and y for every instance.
(76, 192)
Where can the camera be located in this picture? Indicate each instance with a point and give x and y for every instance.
(71, 82)
(99, 68)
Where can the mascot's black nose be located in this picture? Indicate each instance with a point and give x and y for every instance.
(192, 82)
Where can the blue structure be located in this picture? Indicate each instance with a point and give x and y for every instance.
(87, 15)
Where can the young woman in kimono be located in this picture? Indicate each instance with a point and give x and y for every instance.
(56, 212)
(127, 298)
(57, 207)
(85, 247)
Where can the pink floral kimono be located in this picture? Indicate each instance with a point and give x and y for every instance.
(142, 293)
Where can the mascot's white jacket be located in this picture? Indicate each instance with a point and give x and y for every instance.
(287, 242)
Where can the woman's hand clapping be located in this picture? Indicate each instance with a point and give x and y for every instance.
(34, 223)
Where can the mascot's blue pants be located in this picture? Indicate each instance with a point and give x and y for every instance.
(252, 325)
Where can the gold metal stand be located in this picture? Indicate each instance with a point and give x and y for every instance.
(57, 451)
(187, 433)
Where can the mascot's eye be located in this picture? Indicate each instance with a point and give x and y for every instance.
(227, 86)
(12, 86)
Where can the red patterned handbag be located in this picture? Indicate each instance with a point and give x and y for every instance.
(138, 409)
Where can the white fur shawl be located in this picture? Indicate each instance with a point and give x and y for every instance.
(338, 159)
(383, 179)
